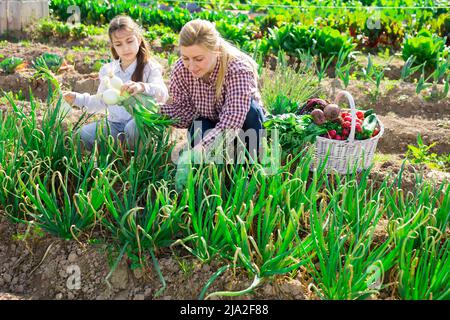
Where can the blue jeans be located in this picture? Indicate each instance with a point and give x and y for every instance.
(253, 122)
(119, 130)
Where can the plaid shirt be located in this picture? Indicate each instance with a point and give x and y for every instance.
(193, 97)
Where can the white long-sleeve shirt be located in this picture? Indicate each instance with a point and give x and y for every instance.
(152, 80)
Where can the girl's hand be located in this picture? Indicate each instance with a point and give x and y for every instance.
(132, 88)
(69, 97)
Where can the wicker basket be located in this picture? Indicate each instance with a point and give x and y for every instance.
(345, 155)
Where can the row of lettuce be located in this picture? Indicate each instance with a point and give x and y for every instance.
(253, 36)
(370, 27)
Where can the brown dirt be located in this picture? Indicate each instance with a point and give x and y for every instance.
(82, 61)
(39, 268)
(80, 75)
(390, 168)
(23, 82)
(397, 97)
(401, 132)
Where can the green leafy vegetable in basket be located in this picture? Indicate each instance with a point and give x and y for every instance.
(12, 64)
(369, 126)
(297, 130)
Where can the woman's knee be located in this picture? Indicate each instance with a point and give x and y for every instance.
(198, 129)
(254, 118)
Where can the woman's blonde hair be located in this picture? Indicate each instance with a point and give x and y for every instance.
(203, 32)
(124, 22)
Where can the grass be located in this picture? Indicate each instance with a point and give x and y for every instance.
(421, 154)
(383, 157)
(187, 266)
(285, 88)
(25, 43)
(81, 49)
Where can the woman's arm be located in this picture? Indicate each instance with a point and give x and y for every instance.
(240, 87)
(180, 106)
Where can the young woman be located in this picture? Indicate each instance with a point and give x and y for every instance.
(139, 73)
(213, 87)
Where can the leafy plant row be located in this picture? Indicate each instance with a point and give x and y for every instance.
(294, 220)
(369, 27)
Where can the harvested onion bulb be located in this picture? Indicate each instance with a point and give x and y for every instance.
(111, 96)
(111, 85)
(116, 82)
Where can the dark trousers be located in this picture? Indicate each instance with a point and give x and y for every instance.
(254, 120)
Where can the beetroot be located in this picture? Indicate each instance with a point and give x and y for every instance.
(331, 111)
(312, 104)
(318, 116)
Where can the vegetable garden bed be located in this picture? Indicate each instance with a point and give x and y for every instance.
(296, 234)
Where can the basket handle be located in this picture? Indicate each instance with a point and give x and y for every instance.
(347, 94)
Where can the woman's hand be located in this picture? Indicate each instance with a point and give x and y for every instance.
(187, 158)
(69, 97)
(132, 88)
(199, 149)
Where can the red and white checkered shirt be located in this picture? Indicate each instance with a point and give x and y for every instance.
(194, 97)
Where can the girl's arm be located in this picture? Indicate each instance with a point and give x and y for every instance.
(92, 103)
(180, 107)
(154, 85)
